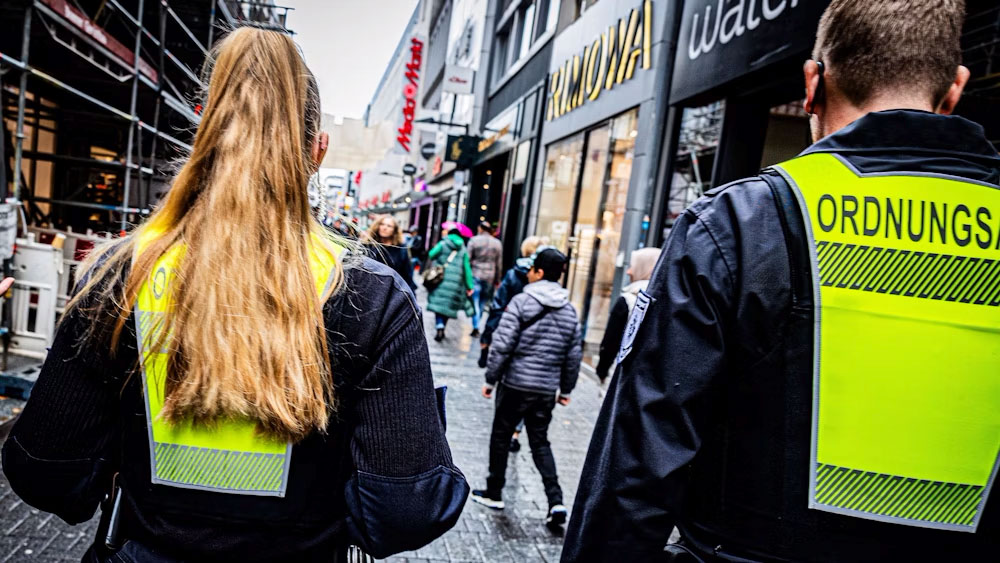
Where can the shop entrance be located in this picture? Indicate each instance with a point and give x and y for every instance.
(486, 191)
(581, 211)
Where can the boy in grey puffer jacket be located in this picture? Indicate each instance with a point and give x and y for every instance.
(534, 362)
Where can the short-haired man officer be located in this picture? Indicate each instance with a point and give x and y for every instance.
(814, 373)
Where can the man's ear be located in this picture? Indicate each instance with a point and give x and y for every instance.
(950, 100)
(810, 71)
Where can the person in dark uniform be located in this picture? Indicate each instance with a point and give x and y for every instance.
(234, 384)
(811, 373)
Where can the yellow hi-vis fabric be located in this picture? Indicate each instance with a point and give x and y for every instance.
(906, 388)
(231, 456)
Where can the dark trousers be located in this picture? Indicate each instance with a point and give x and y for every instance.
(535, 409)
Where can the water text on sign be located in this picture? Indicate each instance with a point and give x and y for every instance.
(736, 21)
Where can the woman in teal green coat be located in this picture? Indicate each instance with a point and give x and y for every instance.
(452, 295)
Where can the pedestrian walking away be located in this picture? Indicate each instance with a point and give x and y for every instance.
(418, 249)
(486, 257)
(384, 243)
(639, 271)
(513, 283)
(452, 293)
(230, 382)
(810, 374)
(534, 363)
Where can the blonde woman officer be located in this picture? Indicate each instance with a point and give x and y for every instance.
(249, 394)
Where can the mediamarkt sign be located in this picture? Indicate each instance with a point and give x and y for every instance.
(411, 81)
(611, 59)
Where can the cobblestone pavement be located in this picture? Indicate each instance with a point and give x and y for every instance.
(516, 534)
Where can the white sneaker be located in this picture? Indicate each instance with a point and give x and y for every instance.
(483, 497)
(557, 515)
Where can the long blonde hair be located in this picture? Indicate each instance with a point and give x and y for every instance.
(246, 331)
(372, 236)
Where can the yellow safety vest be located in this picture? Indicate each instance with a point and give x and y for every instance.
(231, 456)
(906, 388)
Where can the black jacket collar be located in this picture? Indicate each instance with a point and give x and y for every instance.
(911, 140)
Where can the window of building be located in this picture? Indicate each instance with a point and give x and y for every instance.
(696, 148)
(522, 25)
(582, 6)
(527, 29)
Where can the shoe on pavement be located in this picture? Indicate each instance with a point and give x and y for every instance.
(439, 336)
(475, 332)
(488, 499)
(515, 445)
(557, 515)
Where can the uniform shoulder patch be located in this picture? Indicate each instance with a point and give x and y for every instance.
(642, 303)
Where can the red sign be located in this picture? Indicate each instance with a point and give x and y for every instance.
(385, 196)
(412, 77)
(97, 33)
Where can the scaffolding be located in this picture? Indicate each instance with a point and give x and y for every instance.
(99, 99)
(108, 86)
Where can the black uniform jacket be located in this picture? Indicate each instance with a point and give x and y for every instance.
(707, 426)
(381, 477)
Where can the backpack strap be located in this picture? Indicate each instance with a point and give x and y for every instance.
(525, 325)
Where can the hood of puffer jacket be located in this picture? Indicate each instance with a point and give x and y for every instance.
(548, 293)
(522, 265)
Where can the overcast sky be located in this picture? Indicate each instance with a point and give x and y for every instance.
(347, 44)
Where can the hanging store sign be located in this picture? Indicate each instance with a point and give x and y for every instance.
(462, 150)
(492, 139)
(411, 83)
(721, 40)
(458, 79)
(609, 60)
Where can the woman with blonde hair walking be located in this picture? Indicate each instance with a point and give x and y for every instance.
(384, 242)
(236, 386)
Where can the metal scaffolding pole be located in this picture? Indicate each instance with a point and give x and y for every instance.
(211, 25)
(144, 195)
(21, 98)
(3, 143)
(76, 92)
(134, 118)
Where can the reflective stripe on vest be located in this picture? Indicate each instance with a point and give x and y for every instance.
(906, 388)
(231, 456)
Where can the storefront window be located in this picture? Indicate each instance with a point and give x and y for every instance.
(562, 173)
(696, 149)
(585, 230)
(591, 236)
(787, 133)
(623, 131)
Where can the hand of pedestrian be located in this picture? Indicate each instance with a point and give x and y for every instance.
(5, 285)
(469, 292)
(487, 392)
(563, 400)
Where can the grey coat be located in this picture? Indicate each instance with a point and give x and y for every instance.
(545, 358)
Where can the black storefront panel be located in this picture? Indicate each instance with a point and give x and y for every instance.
(722, 41)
